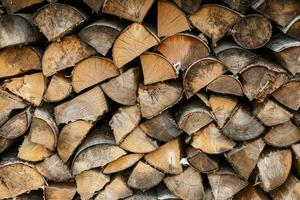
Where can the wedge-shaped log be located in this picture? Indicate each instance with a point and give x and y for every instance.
(92, 104)
(16, 5)
(92, 71)
(60, 191)
(163, 127)
(95, 5)
(271, 113)
(53, 169)
(296, 151)
(138, 142)
(156, 68)
(214, 21)
(225, 184)
(18, 60)
(251, 192)
(124, 121)
(89, 182)
(131, 43)
(56, 20)
(123, 89)
(189, 6)
(192, 48)
(204, 97)
(17, 29)
(190, 181)
(170, 19)
(70, 137)
(134, 10)
(102, 33)
(144, 177)
(210, 140)
(122, 163)
(200, 74)
(292, 29)
(58, 89)
(55, 57)
(192, 116)
(226, 84)
(29, 87)
(156, 98)
(244, 158)
(274, 169)
(288, 190)
(167, 157)
(242, 125)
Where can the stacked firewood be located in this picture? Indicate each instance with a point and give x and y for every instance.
(145, 99)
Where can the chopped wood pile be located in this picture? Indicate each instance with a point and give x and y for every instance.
(150, 99)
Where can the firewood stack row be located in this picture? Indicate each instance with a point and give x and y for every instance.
(150, 99)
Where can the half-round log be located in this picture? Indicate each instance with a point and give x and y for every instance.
(288, 190)
(122, 163)
(226, 84)
(60, 191)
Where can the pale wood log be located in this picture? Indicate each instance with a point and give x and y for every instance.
(251, 192)
(95, 5)
(12, 6)
(288, 190)
(189, 6)
(57, 191)
(226, 84)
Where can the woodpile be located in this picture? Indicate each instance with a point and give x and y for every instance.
(150, 99)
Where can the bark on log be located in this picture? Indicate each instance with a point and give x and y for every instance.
(292, 29)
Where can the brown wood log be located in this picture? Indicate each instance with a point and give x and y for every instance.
(240, 6)
(226, 84)
(134, 10)
(92, 104)
(19, 60)
(132, 42)
(192, 48)
(251, 192)
(167, 157)
(60, 191)
(156, 98)
(244, 158)
(214, 21)
(288, 190)
(29, 87)
(170, 19)
(102, 33)
(89, 182)
(204, 97)
(95, 5)
(91, 71)
(16, 5)
(56, 59)
(5, 144)
(123, 89)
(292, 29)
(189, 6)
(274, 169)
(296, 152)
(200, 74)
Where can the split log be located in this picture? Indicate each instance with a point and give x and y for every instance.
(204, 97)
(244, 158)
(189, 6)
(116, 189)
(102, 33)
(190, 182)
(144, 177)
(192, 48)
(123, 89)
(4, 145)
(225, 184)
(200, 74)
(29, 87)
(17, 125)
(170, 19)
(156, 68)
(53, 169)
(252, 31)
(12, 6)
(56, 59)
(58, 89)
(222, 106)
(274, 169)
(283, 135)
(92, 104)
(251, 192)
(95, 5)
(201, 161)
(296, 151)
(226, 84)
(56, 20)
(192, 116)
(64, 191)
(70, 137)
(167, 157)
(240, 6)
(292, 29)
(210, 140)
(214, 21)
(89, 182)
(163, 127)
(124, 121)
(138, 142)
(271, 113)
(122, 163)
(91, 71)
(17, 29)
(134, 10)
(242, 125)
(19, 60)
(288, 190)
(132, 42)
(156, 98)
